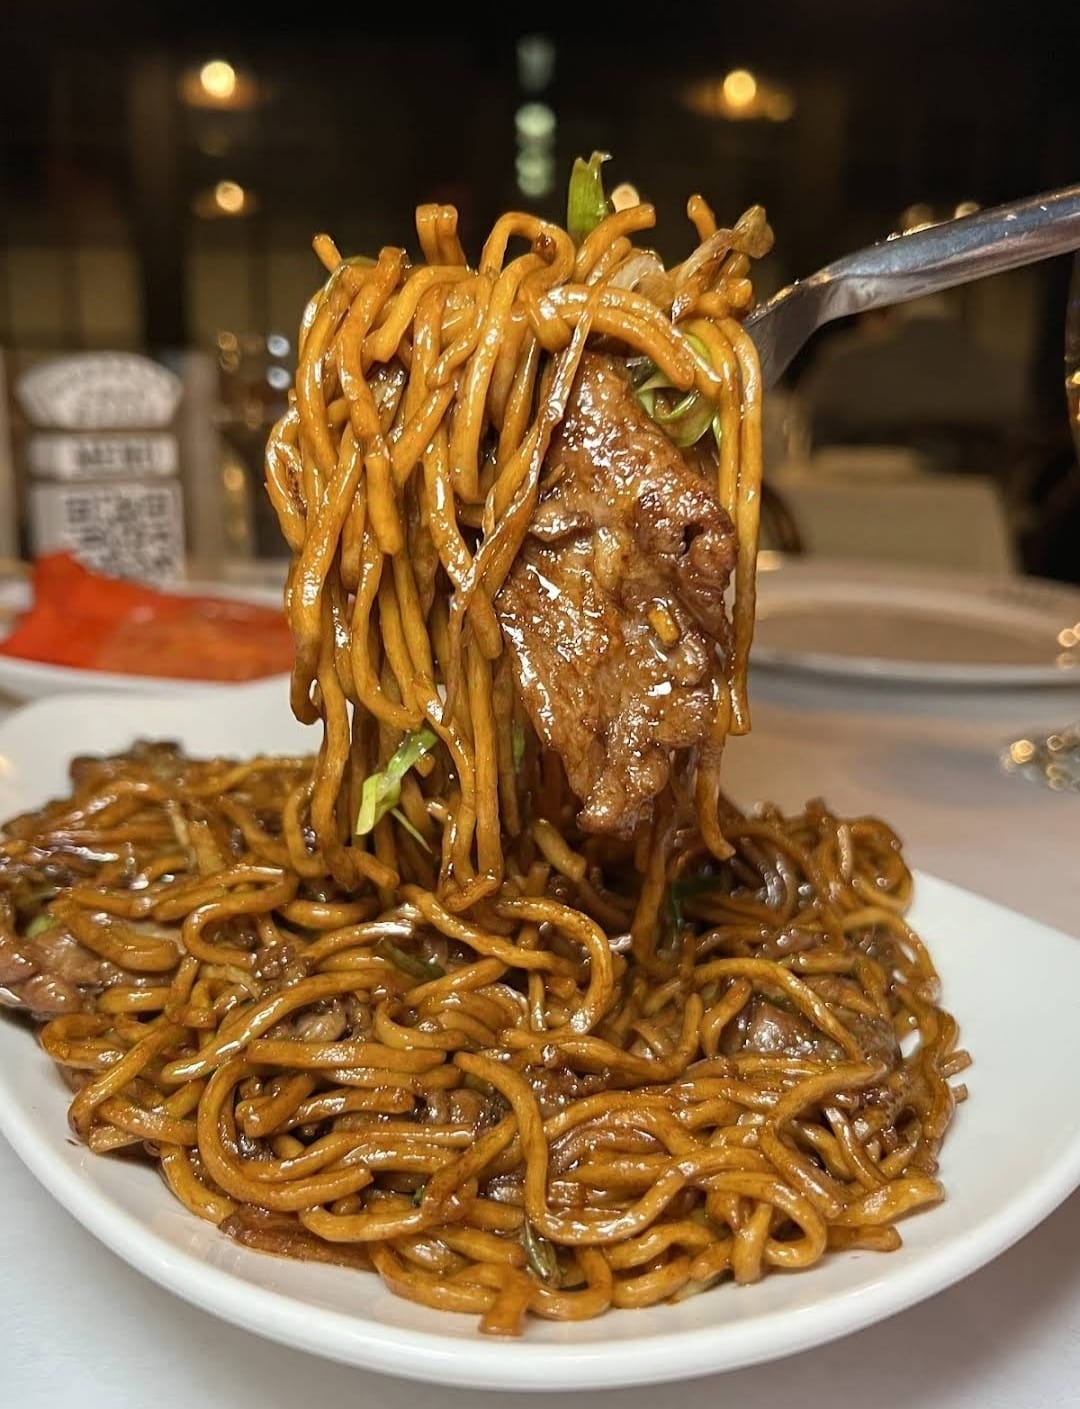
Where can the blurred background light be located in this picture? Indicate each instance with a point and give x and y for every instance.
(535, 173)
(218, 80)
(740, 96)
(218, 84)
(225, 199)
(739, 88)
(535, 122)
(535, 62)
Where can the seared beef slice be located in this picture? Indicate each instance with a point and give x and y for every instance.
(614, 610)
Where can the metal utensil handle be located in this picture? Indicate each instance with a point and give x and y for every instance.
(955, 252)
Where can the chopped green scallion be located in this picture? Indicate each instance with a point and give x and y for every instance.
(685, 888)
(691, 416)
(540, 1255)
(381, 792)
(586, 203)
(426, 970)
(413, 832)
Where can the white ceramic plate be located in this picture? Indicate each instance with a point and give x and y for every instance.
(903, 624)
(1012, 1156)
(34, 680)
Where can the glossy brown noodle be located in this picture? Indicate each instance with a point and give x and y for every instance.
(404, 476)
(513, 1068)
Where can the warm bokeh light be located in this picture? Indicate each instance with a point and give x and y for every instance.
(225, 198)
(740, 88)
(219, 87)
(218, 79)
(916, 217)
(233, 478)
(922, 214)
(229, 197)
(740, 96)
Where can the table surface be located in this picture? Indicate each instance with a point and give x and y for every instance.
(78, 1326)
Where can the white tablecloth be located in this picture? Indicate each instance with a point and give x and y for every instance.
(78, 1327)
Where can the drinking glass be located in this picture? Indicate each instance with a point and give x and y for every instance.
(1054, 759)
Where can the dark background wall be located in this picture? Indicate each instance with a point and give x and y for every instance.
(895, 102)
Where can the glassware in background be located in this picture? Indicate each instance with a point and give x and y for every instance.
(255, 373)
(1072, 355)
(785, 431)
(785, 437)
(1054, 759)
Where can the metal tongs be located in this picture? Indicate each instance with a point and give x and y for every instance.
(904, 267)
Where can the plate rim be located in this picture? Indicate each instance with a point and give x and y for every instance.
(776, 567)
(478, 1363)
(38, 1136)
(31, 680)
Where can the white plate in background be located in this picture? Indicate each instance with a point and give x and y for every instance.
(999, 1186)
(908, 625)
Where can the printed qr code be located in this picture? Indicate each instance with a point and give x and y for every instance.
(129, 530)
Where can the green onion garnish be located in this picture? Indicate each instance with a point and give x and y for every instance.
(586, 203)
(381, 792)
(685, 888)
(426, 970)
(539, 1254)
(691, 416)
(413, 832)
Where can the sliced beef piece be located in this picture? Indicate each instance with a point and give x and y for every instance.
(51, 972)
(614, 612)
(556, 1088)
(875, 1036)
(771, 1029)
(768, 1029)
(162, 759)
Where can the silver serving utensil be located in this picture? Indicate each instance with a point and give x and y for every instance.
(907, 266)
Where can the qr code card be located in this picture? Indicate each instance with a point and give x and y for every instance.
(127, 530)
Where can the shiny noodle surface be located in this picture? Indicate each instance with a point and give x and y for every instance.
(391, 1006)
(501, 1116)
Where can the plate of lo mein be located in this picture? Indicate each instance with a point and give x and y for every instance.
(448, 1018)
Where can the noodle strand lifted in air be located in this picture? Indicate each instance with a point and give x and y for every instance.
(499, 995)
